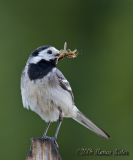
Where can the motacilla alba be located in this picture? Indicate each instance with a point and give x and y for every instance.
(46, 91)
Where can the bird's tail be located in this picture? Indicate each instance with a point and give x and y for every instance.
(80, 118)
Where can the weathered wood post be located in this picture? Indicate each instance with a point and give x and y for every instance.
(44, 149)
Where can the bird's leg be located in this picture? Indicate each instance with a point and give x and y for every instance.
(46, 130)
(59, 124)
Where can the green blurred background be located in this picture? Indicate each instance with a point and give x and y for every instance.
(101, 76)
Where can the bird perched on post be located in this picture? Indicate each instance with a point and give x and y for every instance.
(47, 92)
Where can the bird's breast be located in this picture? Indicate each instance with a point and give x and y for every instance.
(45, 98)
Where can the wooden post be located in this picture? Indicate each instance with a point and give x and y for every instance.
(44, 149)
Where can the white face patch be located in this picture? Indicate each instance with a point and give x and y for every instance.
(35, 59)
(46, 54)
(49, 53)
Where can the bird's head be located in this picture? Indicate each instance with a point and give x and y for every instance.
(46, 53)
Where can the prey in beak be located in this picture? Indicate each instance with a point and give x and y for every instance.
(67, 53)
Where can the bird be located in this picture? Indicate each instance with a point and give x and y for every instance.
(46, 91)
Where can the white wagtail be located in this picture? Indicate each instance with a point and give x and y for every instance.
(47, 92)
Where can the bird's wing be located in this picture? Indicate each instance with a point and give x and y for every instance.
(64, 83)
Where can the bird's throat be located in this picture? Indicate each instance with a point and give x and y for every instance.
(40, 69)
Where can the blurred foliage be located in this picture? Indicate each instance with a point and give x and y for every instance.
(101, 76)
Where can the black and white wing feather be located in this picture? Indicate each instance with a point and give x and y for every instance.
(64, 83)
(80, 118)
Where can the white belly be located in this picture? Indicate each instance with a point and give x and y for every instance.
(46, 101)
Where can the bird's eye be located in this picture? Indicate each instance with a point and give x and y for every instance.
(49, 52)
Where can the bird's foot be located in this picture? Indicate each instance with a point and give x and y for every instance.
(52, 139)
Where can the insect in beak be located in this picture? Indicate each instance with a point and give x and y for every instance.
(67, 53)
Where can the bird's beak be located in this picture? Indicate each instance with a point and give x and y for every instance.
(59, 56)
